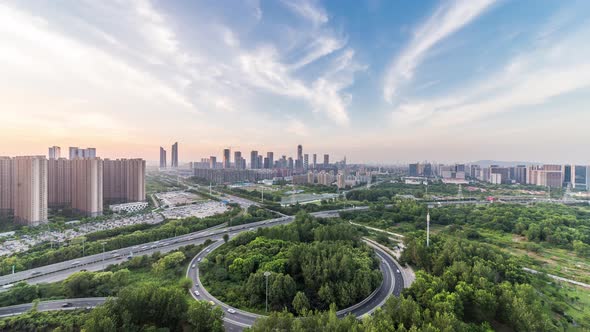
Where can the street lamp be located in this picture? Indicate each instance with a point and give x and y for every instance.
(266, 274)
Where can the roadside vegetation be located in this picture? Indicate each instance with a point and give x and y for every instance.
(313, 263)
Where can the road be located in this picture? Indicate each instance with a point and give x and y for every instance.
(67, 304)
(60, 271)
(236, 320)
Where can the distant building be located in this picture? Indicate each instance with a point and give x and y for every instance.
(87, 186)
(326, 160)
(290, 163)
(6, 178)
(340, 181)
(237, 159)
(226, 158)
(520, 174)
(76, 152)
(299, 161)
(162, 158)
(59, 183)
(315, 161)
(546, 176)
(174, 157)
(54, 152)
(568, 175)
(29, 190)
(503, 171)
(270, 157)
(474, 171)
(212, 162)
(124, 181)
(129, 207)
(581, 177)
(306, 162)
(254, 159)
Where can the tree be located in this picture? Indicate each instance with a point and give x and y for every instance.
(300, 303)
(225, 237)
(169, 261)
(203, 317)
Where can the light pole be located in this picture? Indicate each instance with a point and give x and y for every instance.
(83, 243)
(428, 227)
(266, 274)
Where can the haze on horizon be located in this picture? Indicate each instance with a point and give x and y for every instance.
(377, 81)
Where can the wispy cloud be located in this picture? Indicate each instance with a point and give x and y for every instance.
(445, 21)
(531, 78)
(309, 10)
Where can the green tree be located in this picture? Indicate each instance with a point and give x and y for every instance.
(300, 303)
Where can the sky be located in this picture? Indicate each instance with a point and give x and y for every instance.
(376, 81)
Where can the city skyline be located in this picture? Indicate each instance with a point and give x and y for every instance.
(377, 82)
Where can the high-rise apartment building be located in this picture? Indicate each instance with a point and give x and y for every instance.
(59, 183)
(237, 159)
(29, 190)
(174, 156)
(290, 163)
(212, 162)
(306, 161)
(162, 158)
(6, 177)
(546, 175)
(315, 161)
(326, 160)
(87, 186)
(124, 180)
(520, 174)
(76, 152)
(54, 152)
(299, 161)
(226, 158)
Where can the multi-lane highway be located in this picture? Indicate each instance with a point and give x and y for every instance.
(68, 304)
(236, 320)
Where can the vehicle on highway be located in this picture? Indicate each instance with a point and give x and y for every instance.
(88, 308)
(75, 263)
(193, 266)
(398, 271)
(66, 305)
(198, 260)
(231, 311)
(197, 285)
(34, 273)
(211, 303)
(208, 250)
(7, 286)
(250, 229)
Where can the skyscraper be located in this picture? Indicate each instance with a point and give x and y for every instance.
(581, 177)
(76, 152)
(59, 183)
(29, 193)
(162, 158)
(54, 152)
(237, 159)
(315, 161)
(299, 162)
(87, 186)
(326, 160)
(226, 158)
(290, 163)
(174, 157)
(73, 152)
(306, 161)
(6, 177)
(212, 162)
(271, 161)
(254, 159)
(124, 180)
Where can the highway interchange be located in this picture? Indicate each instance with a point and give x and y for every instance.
(235, 320)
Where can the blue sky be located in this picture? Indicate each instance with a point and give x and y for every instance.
(377, 81)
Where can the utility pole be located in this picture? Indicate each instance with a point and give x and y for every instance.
(103, 244)
(83, 246)
(266, 274)
(262, 193)
(13, 265)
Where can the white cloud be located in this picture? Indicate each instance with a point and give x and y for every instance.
(297, 127)
(445, 21)
(308, 10)
(531, 78)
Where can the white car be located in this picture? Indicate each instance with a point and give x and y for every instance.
(397, 271)
(231, 311)
(208, 250)
(197, 293)
(198, 260)
(194, 265)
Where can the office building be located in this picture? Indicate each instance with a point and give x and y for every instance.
(326, 160)
(271, 161)
(520, 174)
(124, 180)
(6, 176)
(174, 156)
(54, 152)
(503, 171)
(29, 190)
(59, 183)
(212, 162)
(315, 161)
(226, 159)
(254, 159)
(546, 176)
(299, 161)
(162, 158)
(414, 170)
(237, 159)
(290, 163)
(568, 175)
(474, 171)
(306, 162)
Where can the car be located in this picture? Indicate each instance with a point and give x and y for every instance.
(198, 260)
(197, 293)
(193, 266)
(66, 305)
(231, 311)
(34, 273)
(397, 271)
(88, 308)
(197, 285)
(211, 303)
(250, 229)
